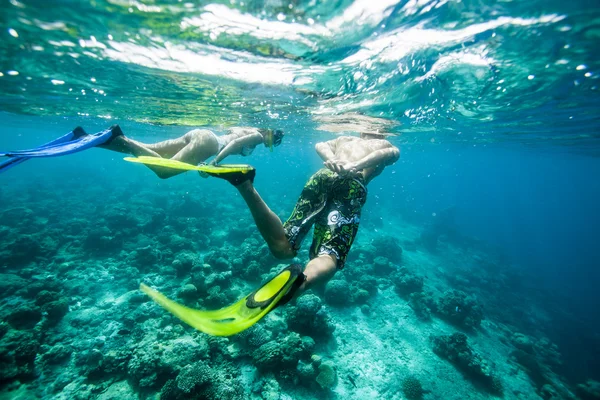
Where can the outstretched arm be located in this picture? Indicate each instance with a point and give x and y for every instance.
(383, 157)
(326, 150)
(236, 145)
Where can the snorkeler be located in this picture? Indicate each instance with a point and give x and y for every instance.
(194, 147)
(331, 200)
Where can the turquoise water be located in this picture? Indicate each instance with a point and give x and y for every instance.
(494, 106)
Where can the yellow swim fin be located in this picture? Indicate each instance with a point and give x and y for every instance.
(240, 315)
(233, 173)
(174, 164)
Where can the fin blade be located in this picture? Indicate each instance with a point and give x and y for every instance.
(235, 318)
(175, 164)
(162, 162)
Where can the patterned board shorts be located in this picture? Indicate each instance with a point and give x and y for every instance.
(333, 204)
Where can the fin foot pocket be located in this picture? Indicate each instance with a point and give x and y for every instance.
(115, 131)
(78, 132)
(232, 175)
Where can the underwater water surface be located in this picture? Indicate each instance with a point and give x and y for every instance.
(475, 270)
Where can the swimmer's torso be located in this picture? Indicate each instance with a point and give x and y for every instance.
(353, 149)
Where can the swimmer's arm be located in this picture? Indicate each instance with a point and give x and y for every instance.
(326, 150)
(384, 157)
(236, 145)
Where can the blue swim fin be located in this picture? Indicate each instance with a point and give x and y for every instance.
(14, 161)
(69, 147)
(72, 142)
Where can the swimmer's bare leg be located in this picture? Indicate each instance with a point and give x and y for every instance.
(318, 272)
(164, 149)
(268, 223)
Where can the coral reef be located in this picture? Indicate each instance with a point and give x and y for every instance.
(389, 247)
(406, 282)
(412, 388)
(382, 266)
(589, 390)
(282, 354)
(199, 381)
(327, 377)
(538, 358)
(18, 350)
(457, 307)
(308, 317)
(455, 349)
(337, 292)
(75, 326)
(192, 377)
(422, 303)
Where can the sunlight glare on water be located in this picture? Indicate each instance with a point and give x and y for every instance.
(442, 67)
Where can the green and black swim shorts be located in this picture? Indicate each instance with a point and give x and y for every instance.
(333, 204)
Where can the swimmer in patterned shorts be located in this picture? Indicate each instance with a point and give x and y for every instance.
(331, 201)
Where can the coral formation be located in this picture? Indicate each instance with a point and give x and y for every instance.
(422, 303)
(184, 262)
(382, 266)
(389, 247)
(144, 367)
(18, 350)
(406, 282)
(589, 390)
(257, 336)
(282, 354)
(327, 377)
(336, 292)
(455, 349)
(192, 377)
(308, 317)
(457, 307)
(538, 358)
(75, 326)
(412, 388)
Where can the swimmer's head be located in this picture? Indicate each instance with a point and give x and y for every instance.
(273, 138)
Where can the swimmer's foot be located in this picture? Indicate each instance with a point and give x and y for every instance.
(116, 133)
(117, 141)
(233, 174)
(78, 132)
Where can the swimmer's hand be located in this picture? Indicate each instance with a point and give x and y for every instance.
(342, 168)
(202, 173)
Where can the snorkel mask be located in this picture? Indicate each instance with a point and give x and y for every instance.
(273, 138)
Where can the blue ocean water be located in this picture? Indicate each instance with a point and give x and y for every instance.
(494, 106)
